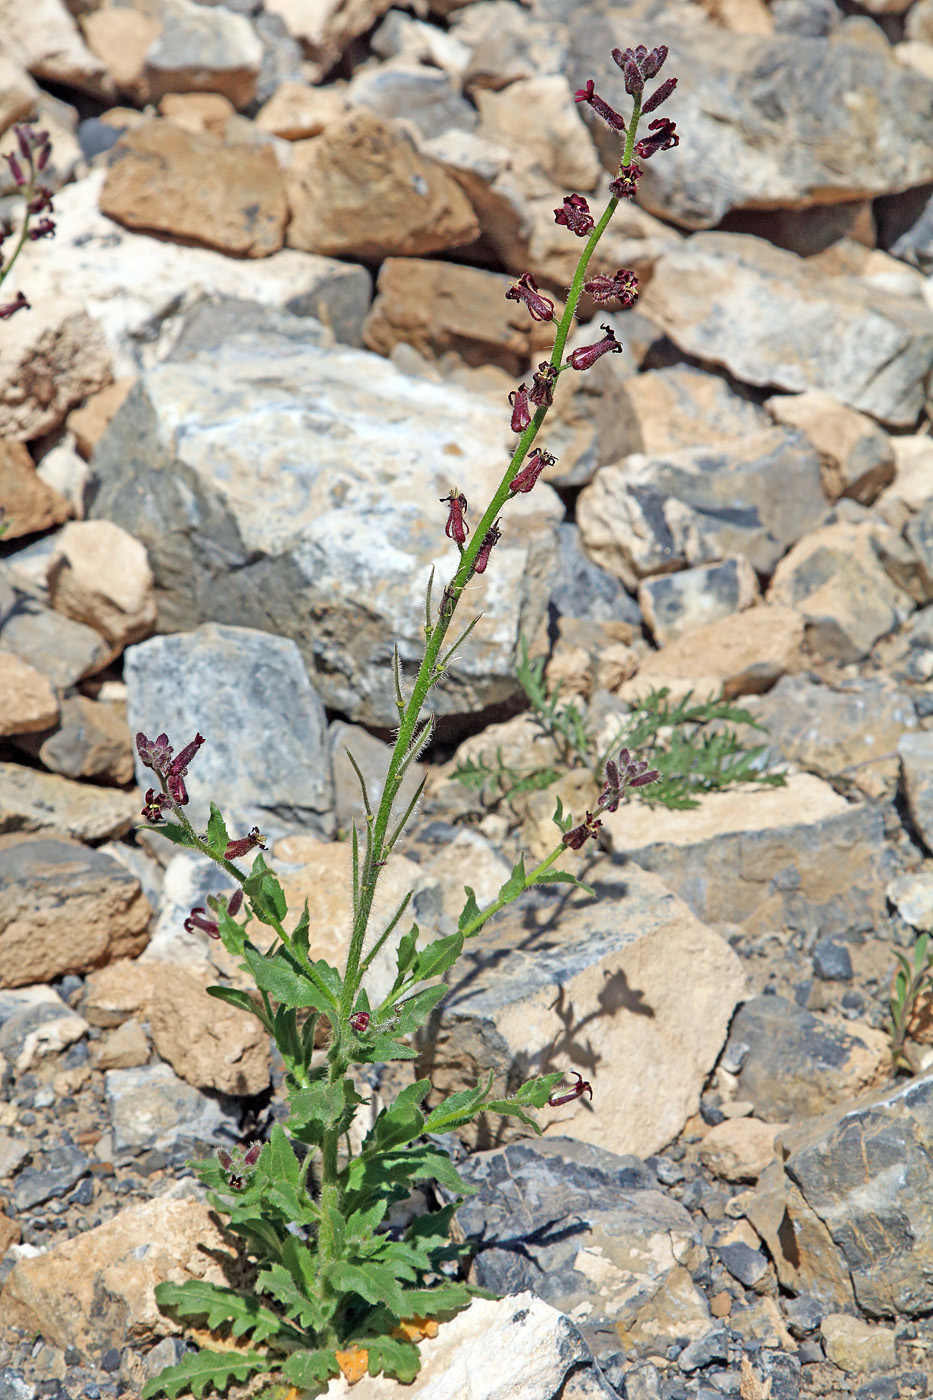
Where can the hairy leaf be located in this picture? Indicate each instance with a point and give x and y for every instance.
(200, 1369)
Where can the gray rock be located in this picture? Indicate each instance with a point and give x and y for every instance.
(581, 588)
(915, 245)
(14, 1386)
(295, 488)
(772, 318)
(265, 761)
(747, 1265)
(654, 515)
(31, 800)
(802, 1314)
(674, 603)
(13, 1153)
(811, 19)
(769, 120)
(916, 755)
(282, 55)
(372, 757)
(798, 1064)
(712, 1346)
(91, 741)
(831, 961)
(428, 97)
(59, 648)
(683, 406)
(581, 1227)
(61, 1169)
(204, 49)
(919, 535)
(20, 1014)
(151, 1107)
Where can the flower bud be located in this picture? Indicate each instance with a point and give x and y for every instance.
(521, 413)
(587, 355)
(456, 528)
(491, 538)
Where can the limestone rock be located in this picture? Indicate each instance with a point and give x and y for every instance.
(361, 190)
(557, 143)
(227, 196)
(31, 800)
(34, 1022)
(326, 28)
(121, 38)
(372, 757)
(428, 98)
(64, 908)
(856, 1346)
(97, 1289)
(770, 123)
(126, 1047)
(117, 992)
(439, 307)
(150, 1107)
(99, 574)
(241, 686)
(650, 515)
(912, 897)
(91, 740)
(912, 486)
(18, 92)
(673, 604)
(204, 48)
(89, 422)
(199, 112)
(739, 1149)
(28, 703)
(59, 648)
(297, 111)
(683, 406)
(835, 581)
(331, 514)
(615, 964)
(46, 40)
(733, 300)
(856, 457)
(916, 754)
(740, 654)
(29, 505)
(799, 856)
(65, 472)
(208, 1043)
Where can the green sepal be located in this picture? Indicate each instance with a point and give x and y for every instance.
(200, 1369)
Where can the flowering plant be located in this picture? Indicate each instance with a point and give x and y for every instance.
(333, 1284)
(27, 169)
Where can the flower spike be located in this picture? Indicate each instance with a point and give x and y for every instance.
(524, 480)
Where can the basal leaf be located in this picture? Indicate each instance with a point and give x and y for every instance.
(311, 1369)
(374, 1284)
(198, 1370)
(394, 1357)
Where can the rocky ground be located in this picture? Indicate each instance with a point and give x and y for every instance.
(270, 334)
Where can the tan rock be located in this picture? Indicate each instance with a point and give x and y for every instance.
(92, 741)
(741, 16)
(225, 196)
(856, 456)
(121, 38)
(439, 307)
(98, 574)
(681, 406)
(856, 1346)
(11, 1233)
(326, 27)
(208, 1043)
(362, 190)
(912, 486)
(31, 800)
(97, 1290)
(739, 1149)
(126, 1047)
(118, 992)
(89, 422)
(834, 579)
(18, 92)
(64, 908)
(56, 359)
(738, 655)
(28, 703)
(198, 111)
(43, 37)
(297, 111)
(29, 506)
(204, 48)
(557, 142)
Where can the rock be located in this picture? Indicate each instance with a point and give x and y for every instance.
(844, 1217)
(241, 686)
(151, 1107)
(44, 38)
(18, 92)
(582, 589)
(204, 48)
(621, 1244)
(28, 704)
(429, 98)
(200, 112)
(62, 353)
(614, 963)
(441, 307)
(91, 740)
(739, 1150)
(29, 505)
(65, 472)
(674, 604)
(856, 457)
(224, 195)
(121, 39)
(361, 190)
(372, 758)
(798, 1064)
(733, 300)
(488, 869)
(713, 1345)
(207, 1043)
(593, 420)
(683, 405)
(759, 98)
(34, 1022)
(58, 648)
(325, 30)
(98, 574)
(64, 908)
(799, 856)
(65, 1168)
(741, 654)
(117, 992)
(126, 1047)
(849, 729)
(89, 422)
(652, 515)
(912, 897)
(31, 800)
(333, 515)
(856, 1346)
(297, 111)
(13, 1152)
(749, 1266)
(916, 754)
(831, 961)
(557, 145)
(97, 1290)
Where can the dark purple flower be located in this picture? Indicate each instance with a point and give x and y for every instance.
(491, 538)
(154, 753)
(19, 303)
(639, 66)
(41, 200)
(591, 97)
(542, 384)
(244, 844)
(199, 920)
(155, 805)
(179, 765)
(581, 1087)
(521, 413)
(625, 184)
(360, 1022)
(524, 480)
(660, 94)
(540, 307)
(236, 901)
(575, 215)
(45, 228)
(629, 772)
(587, 355)
(580, 834)
(620, 286)
(663, 139)
(456, 528)
(16, 170)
